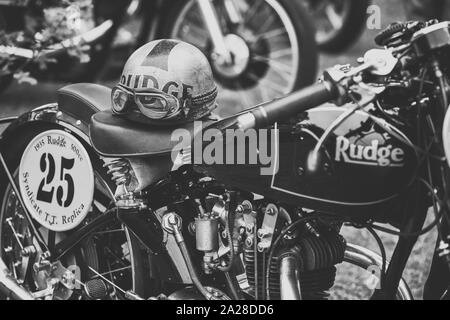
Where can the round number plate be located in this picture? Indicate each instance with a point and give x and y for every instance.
(56, 180)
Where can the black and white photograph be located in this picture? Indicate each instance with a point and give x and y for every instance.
(217, 157)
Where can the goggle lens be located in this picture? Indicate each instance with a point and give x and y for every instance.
(120, 100)
(154, 107)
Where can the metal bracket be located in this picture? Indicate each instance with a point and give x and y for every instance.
(265, 233)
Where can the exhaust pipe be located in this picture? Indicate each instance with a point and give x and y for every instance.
(10, 287)
(289, 278)
(355, 255)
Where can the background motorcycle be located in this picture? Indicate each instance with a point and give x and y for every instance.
(339, 23)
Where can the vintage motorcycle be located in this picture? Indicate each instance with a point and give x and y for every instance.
(259, 50)
(96, 206)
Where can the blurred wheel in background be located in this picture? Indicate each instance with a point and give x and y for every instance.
(271, 43)
(339, 23)
(424, 9)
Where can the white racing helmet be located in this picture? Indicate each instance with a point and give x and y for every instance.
(165, 82)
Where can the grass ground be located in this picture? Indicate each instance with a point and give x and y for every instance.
(20, 98)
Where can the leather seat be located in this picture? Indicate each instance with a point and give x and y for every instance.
(83, 100)
(113, 136)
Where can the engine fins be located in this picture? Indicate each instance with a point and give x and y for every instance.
(317, 258)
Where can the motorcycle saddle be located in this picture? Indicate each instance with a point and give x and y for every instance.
(113, 136)
(83, 100)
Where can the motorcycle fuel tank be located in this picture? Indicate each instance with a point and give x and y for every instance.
(360, 164)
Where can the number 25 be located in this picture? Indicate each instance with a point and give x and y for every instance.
(47, 164)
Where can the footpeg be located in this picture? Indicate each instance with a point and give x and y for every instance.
(97, 289)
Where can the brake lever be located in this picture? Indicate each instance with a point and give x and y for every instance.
(379, 62)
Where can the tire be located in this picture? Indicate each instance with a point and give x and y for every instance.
(352, 27)
(89, 253)
(424, 9)
(306, 66)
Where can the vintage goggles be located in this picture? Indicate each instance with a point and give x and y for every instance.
(153, 103)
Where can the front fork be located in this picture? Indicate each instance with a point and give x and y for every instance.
(437, 285)
(221, 52)
(416, 212)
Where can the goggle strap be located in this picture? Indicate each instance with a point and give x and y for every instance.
(205, 98)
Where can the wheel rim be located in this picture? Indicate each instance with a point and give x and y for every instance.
(268, 35)
(99, 254)
(330, 16)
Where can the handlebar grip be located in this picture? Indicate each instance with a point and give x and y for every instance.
(293, 104)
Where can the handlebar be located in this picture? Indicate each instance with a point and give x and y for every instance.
(378, 62)
(297, 102)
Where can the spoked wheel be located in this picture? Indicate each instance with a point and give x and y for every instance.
(338, 22)
(272, 48)
(110, 254)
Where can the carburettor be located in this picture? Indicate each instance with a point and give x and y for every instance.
(207, 238)
(218, 233)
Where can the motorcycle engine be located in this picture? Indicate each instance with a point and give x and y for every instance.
(316, 259)
(315, 253)
(303, 259)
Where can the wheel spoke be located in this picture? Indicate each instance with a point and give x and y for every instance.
(119, 260)
(267, 84)
(281, 67)
(334, 17)
(16, 235)
(264, 94)
(281, 53)
(108, 231)
(195, 35)
(275, 87)
(272, 33)
(252, 11)
(114, 271)
(245, 97)
(267, 24)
